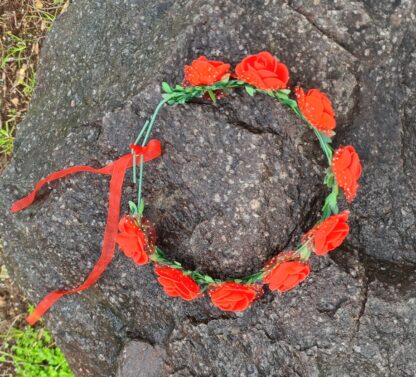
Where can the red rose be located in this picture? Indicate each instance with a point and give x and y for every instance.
(176, 284)
(234, 297)
(132, 240)
(287, 275)
(263, 71)
(205, 72)
(330, 233)
(347, 169)
(317, 109)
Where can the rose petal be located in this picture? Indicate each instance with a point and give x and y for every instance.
(327, 122)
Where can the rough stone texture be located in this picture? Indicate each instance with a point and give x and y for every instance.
(140, 359)
(236, 183)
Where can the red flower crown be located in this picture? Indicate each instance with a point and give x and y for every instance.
(136, 237)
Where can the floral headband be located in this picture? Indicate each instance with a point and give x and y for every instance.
(136, 236)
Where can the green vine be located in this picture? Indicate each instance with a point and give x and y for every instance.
(178, 95)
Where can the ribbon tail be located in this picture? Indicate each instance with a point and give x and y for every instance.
(29, 199)
(117, 170)
(107, 252)
(152, 150)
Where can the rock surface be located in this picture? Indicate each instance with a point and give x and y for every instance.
(235, 183)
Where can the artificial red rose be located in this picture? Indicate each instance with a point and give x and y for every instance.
(176, 284)
(132, 240)
(330, 233)
(347, 169)
(234, 297)
(205, 72)
(317, 109)
(263, 71)
(287, 275)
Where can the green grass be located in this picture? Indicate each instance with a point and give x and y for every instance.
(27, 351)
(6, 141)
(48, 18)
(14, 53)
(28, 83)
(7, 134)
(33, 353)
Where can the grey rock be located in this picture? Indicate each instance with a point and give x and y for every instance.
(140, 359)
(236, 183)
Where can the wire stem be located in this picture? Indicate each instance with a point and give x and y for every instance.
(134, 154)
(149, 126)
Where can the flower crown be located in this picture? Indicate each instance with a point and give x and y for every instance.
(136, 236)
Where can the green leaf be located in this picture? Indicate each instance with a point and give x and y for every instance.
(133, 208)
(212, 96)
(250, 90)
(160, 252)
(329, 178)
(304, 253)
(225, 79)
(289, 102)
(326, 212)
(166, 96)
(141, 207)
(334, 208)
(331, 198)
(166, 87)
(325, 138)
(330, 205)
(209, 279)
(281, 95)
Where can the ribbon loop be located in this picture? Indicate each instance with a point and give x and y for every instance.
(117, 170)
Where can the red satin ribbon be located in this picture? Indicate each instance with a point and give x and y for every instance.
(117, 170)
